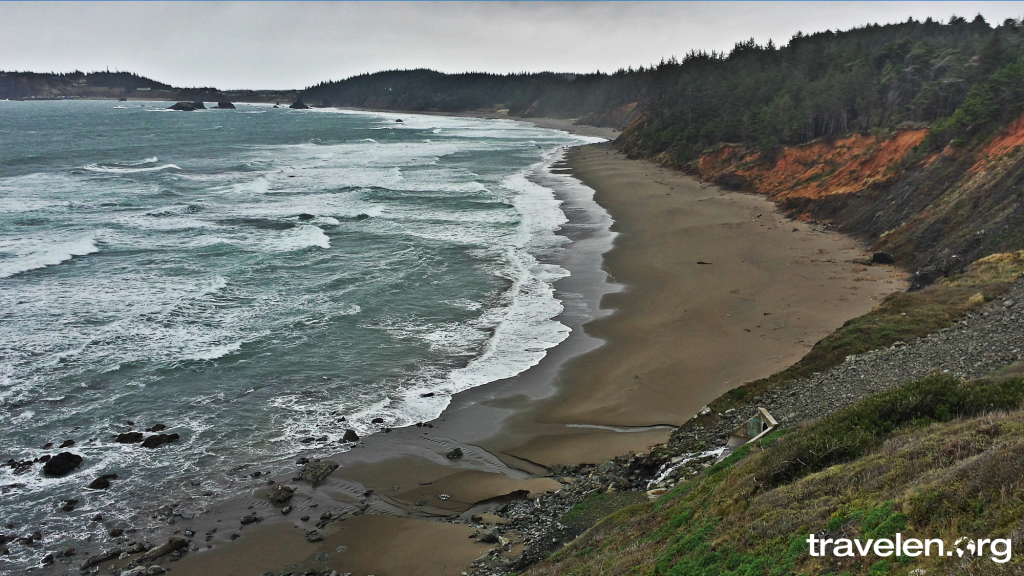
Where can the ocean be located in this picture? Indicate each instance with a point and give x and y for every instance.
(257, 280)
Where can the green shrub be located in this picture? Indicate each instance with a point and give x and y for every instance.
(853, 431)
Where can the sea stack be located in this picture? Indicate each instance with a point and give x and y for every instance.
(188, 106)
(225, 106)
(299, 105)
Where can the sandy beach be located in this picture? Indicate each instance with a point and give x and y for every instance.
(705, 290)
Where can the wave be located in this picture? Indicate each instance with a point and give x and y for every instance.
(116, 169)
(49, 255)
(299, 238)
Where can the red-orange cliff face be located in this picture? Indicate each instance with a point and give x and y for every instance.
(815, 170)
(964, 201)
(1007, 141)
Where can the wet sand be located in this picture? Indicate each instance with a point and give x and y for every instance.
(682, 332)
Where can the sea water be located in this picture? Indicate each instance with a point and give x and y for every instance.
(258, 280)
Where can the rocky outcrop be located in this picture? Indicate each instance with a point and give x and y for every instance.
(315, 472)
(350, 436)
(62, 464)
(299, 105)
(225, 106)
(187, 106)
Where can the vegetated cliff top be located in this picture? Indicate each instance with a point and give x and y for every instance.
(16, 85)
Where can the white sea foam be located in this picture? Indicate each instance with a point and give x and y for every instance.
(39, 254)
(217, 351)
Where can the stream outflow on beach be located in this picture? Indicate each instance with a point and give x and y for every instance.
(257, 280)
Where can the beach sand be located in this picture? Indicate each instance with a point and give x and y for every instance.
(722, 289)
(719, 289)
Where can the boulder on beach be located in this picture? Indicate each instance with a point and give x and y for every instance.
(62, 464)
(455, 454)
(175, 543)
(883, 258)
(299, 105)
(157, 440)
(187, 106)
(281, 494)
(350, 436)
(225, 106)
(315, 472)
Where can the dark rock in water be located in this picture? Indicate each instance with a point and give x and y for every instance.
(315, 472)
(299, 105)
(281, 494)
(377, 421)
(225, 105)
(251, 519)
(156, 428)
(427, 395)
(129, 437)
(455, 454)
(48, 445)
(882, 258)
(62, 464)
(307, 440)
(175, 543)
(122, 99)
(302, 461)
(159, 440)
(350, 436)
(67, 444)
(362, 216)
(276, 106)
(188, 106)
(399, 120)
(304, 518)
(103, 482)
(45, 458)
(69, 505)
(97, 518)
(305, 216)
(115, 532)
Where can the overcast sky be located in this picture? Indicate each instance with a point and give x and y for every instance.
(297, 44)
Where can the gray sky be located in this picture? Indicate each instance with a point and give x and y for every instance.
(296, 44)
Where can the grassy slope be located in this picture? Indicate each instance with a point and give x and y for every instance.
(937, 458)
(929, 459)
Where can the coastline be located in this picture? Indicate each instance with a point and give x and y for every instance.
(566, 410)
